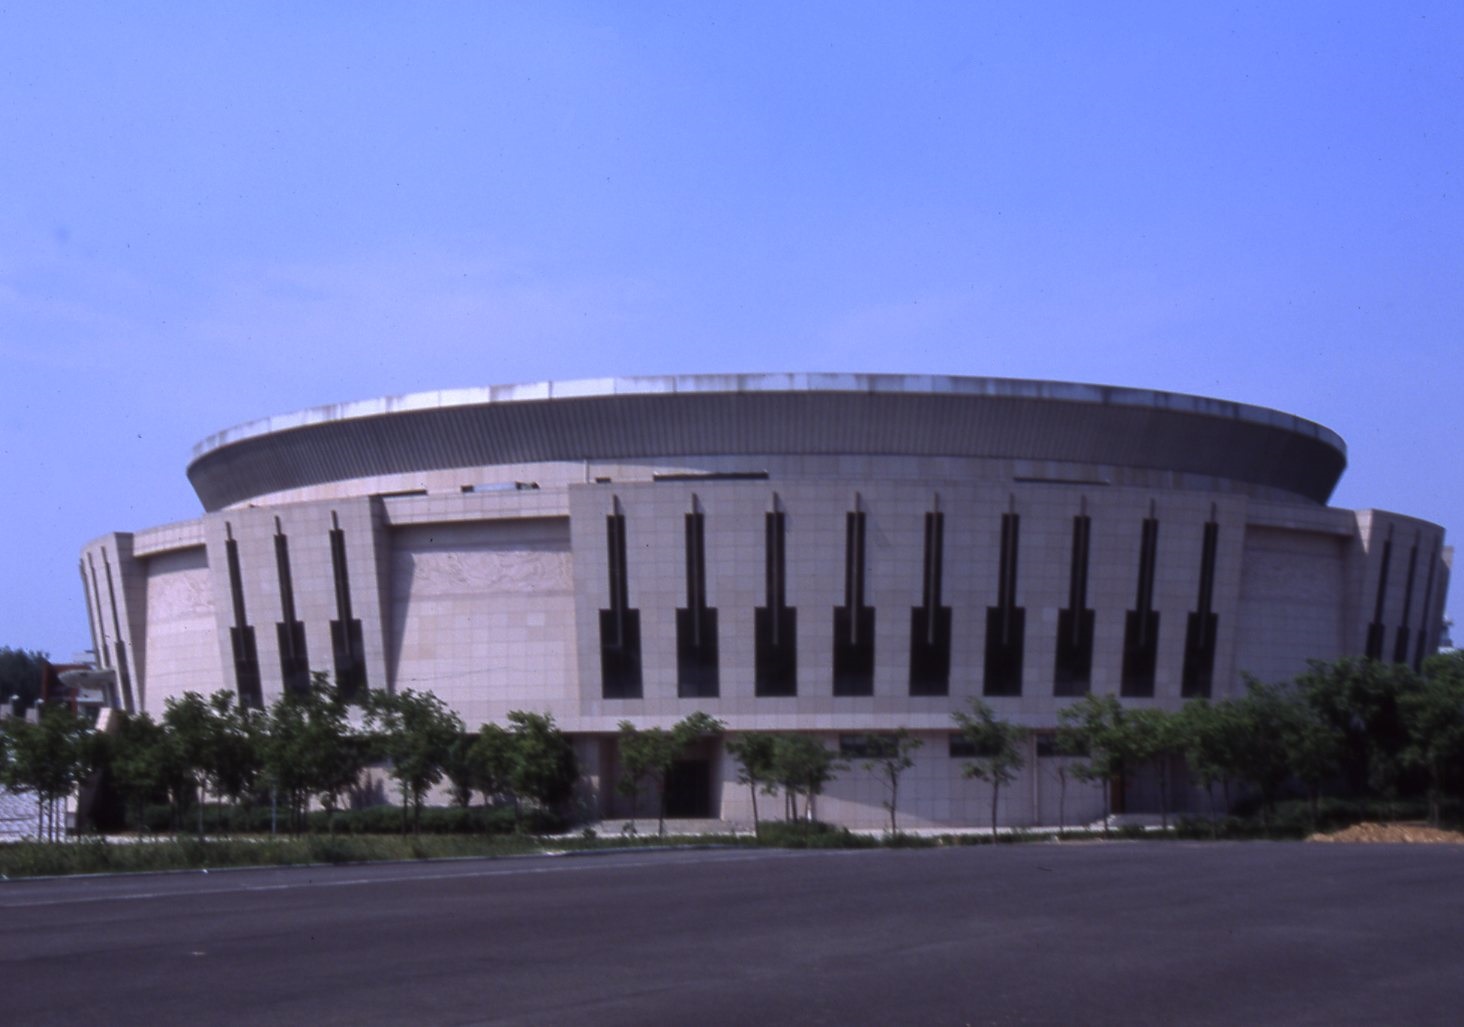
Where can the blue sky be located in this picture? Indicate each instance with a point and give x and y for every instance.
(213, 213)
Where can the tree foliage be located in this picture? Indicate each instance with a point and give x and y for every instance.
(414, 731)
(754, 752)
(890, 755)
(804, 766)
(1000, 748)
(647, 755)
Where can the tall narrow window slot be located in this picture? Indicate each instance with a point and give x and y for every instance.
(620, 648)
(124, 675)
(1400, 645)
(1203, 623)
(930, 622)
(1006, 622)
(1423, 625)
(345, 630)
(1141, 624)
(854, 622)
(241, 635)
(1375, 630)
(294, 662)
(775, 625)
(1073, 669)
(696, 624)
(104, 656)
(92, 615)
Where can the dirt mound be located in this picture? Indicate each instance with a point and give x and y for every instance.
(1419, 834)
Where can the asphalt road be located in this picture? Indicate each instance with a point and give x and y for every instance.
(1123, 933)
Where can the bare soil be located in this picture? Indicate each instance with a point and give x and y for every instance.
(1418, 834)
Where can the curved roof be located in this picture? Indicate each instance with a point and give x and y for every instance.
(701, 415)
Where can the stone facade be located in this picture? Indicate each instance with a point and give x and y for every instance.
(629, 550)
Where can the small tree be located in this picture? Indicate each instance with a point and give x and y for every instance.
(1313, 749)
(461, 776)
(20, 677)
(1433, 713)
(138, 763)
(1360, 699)
(1152, 738)
(890, 755)
(649, 755)
(190, 724)
(803, 765)
(1095, 726)
(415, 731)
(754, 753)
(48, 758)
(1000, 747)
(236, 754)
(544, 766)
(1263, 715)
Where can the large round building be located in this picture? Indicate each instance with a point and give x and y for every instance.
(832, 554)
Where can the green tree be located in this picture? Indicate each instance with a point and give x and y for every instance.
(484, 763)
(48, 758)
(415, 731)
(890, 755)
(1153, 737)
(20, 677)
(138, 760)
(1208, 735)
(1096, 725)
(648, 756)
(804, 766)
(1000, 747)
(544, 768)
(237, 748)
(1314, 749)
(189, 722)
(312, 749)
(1360, 699)
(462, 777)
(1433, 714)
(1264, 712)
(754, 753)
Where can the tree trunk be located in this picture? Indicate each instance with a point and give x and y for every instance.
(752, 785)
(661, 809)
(894, 791)
(1164, 793)
(995, 793)
(1061, 800)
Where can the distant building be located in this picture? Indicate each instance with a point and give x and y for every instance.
(832, 554)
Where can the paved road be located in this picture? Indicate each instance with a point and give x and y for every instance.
(1122, 933)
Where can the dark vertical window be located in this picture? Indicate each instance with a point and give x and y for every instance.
(775, 625)
(1375, 630)
(1006, 622)
(1203, 623)
(1141, 624)
(854, 622)
(1400, 645)
(104, 656)
(696, 624)
(92, 617)
(1423, 624)
(620, 648)
(241, 635)
(294, 662)
(345, 631)
(124, 675)
(930, 622)
(1073, 668)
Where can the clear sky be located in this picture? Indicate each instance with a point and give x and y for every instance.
(211, 213)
